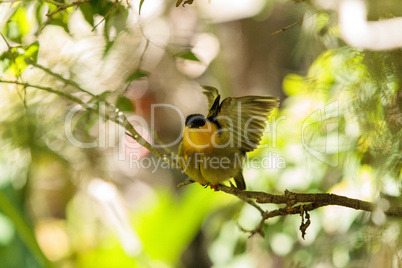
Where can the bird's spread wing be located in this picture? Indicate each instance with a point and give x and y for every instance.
(213, 97)
(245, 118)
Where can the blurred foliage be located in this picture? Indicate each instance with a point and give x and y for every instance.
(338, 130)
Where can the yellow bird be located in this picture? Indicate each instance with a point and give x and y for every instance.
(214, 147)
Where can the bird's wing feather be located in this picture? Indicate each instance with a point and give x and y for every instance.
(245, 118)
(212, 94)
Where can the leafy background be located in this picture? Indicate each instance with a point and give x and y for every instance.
(65, 206)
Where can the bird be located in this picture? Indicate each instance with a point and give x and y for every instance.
(213, 147)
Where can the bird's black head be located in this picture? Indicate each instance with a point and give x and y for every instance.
(195, 120)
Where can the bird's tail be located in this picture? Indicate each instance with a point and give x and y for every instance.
(239, 180)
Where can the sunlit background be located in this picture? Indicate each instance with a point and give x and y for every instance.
(75, 191)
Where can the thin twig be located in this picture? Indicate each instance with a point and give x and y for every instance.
(288, 27)
(139, 62)
(121, 119)
(184, 183)
(252, 203)
(5, 40)
(256, 230)
(143, 52)
(58, 76)
(48, 89)
(64, 6)
(106, 15)
(160, 144)
(43, 25)
(17, 71)
(52, 2)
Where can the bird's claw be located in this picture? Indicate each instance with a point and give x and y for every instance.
(214, 187)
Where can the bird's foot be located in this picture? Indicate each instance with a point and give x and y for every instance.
(210, 185)
(214, 187)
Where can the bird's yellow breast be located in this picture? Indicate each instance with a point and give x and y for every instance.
(200, 139)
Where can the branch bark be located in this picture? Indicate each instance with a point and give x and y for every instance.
(300, 203)
(315, 200)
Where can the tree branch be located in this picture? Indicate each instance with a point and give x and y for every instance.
(118, 118)
(289, 26)
(64, 6)
(315, 201)
(309, 202)
(58, 76)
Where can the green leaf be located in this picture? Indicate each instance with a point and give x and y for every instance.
(141, 2)
(18, 57)
(117, 19)
(294, 84)
(58, 21)
(92, 8)
(124, 104)
(21, 17)
(5, 61)
(60, 18)
(25, 231)
(188, 55)
(173, 212)
(32, 51)
(20, 64)
(42, 7)
(137, 74)
(12, 32)
(88, 13)
(102, 7)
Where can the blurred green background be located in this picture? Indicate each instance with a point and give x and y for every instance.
(76, 192)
